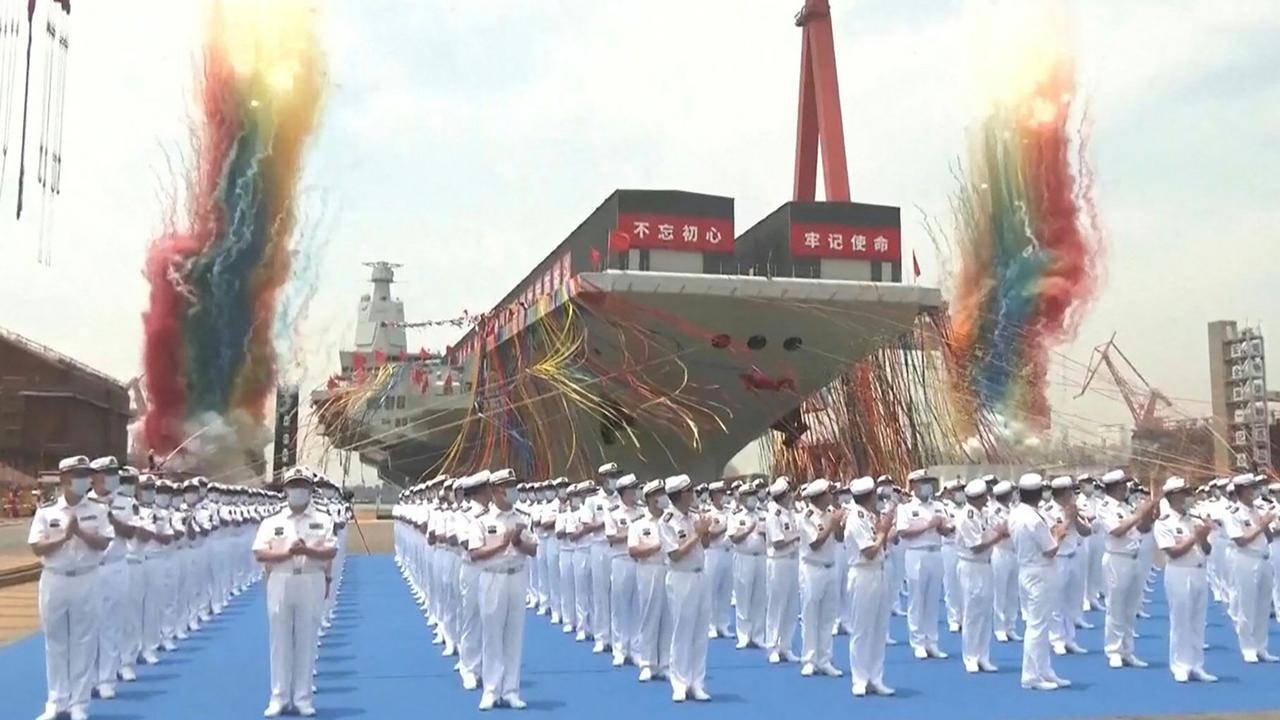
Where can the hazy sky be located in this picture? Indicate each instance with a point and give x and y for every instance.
(465, 139)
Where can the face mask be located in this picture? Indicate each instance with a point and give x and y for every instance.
(128, 490)
(512, 495)
(611, 484)
(80, 486)
(925, 492)
(148, 496)
(664, 502)
(191, 498)
(297, 497)
(561, 494)
(111, 482)
(749, 502)
(162, 501)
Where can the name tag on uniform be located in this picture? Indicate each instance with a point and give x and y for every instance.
(55, 523)
(915, 513)
(646, 532)
(316, 526)
(786, 527)
(89, 520)
(279, 532)
(1177, 531)
(492, 529)
(681, 534)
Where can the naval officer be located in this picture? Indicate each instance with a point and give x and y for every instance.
(922, 523)
(976, 535)
(70, 536)
(1036, 545)
(821, 530)
(296, 545)
(113, 575)
(867, 536)
(1250, 530)
(685, 536)
(1185, 542)
(783, 536)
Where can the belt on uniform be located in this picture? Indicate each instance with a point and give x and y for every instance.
(925, 548)
(1067, 555)
(502, 571)
(751, 554)
(77, 572)
(685, 570)
(974, 560)
(818, 563)
(1130, 555)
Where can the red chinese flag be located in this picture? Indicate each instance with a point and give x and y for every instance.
(358, 361)
(379, 358)
(595, 258)
(619, 242)
(915, 264)
(423, 355)
(404, 355)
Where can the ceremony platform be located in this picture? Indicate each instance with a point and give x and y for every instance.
(378, 664)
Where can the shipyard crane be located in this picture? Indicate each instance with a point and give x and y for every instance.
(1142, 400)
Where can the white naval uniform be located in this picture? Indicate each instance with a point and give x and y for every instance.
(1004, 574)
(69, 613)
(819, 583)
(1124, 578)
(131, 618)
(1031, 539)
(583, 558)
(567, 523)
(470, 641)
(622, 584)
(1094, 545)
(784, 578)
(976, 581)
(750, 585)
(548, 580)
(1187, 589)
(652, 647)
(1069, 589)
(924, 571)
(1251, 576)
(952, 598)
(295, 600)
(599, 507)
(501, 582)
(113, 592)
(160, 582)
(689, 599)
(868, 592)
(720, 570)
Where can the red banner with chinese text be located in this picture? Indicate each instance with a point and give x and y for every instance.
(846, 242)
(677, 232)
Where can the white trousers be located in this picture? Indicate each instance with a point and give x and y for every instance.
(1095, 579)
(502, 619)
(601, 569)
(154, 601)
(780, 618)
(951, 597)
(469, 629)
(924, 586)
(690, 603)
(653, 631)
(819, 603)
(720, 585)
(896, 567)
(568, 599)
(582, 589)
(622, 604)
(1124, 598)
(977, 592)
(1187, 590)
(1069, 593)
(294, 604)
(750, 588)
(1004, 569)
(1036, 584)
(69, 618)
(869, 607)
(131, 613)
(1252, 578)
(113, 592)
(551, 572)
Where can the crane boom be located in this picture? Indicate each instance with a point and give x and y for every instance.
(1142, 400)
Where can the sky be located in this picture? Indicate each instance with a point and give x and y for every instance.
(465, 140)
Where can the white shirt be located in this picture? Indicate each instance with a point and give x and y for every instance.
(972, 526)
(813, 522)
(719, 521)
(674, 529)
(1031, 538)
(618, 522)
(569, 521)
(278, 532)
(596, 509)
(1055, 513)
(123, 509)
(491, 527)
(755, 543)
(50, 523)
(643, 532)
(914, 513)
(1242, 520)
(1112, 513)
(860, 534)
(996, 514)
(780, 525)
(1173, 528)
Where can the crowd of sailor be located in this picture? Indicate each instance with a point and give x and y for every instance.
(134, 563)
(649, 572)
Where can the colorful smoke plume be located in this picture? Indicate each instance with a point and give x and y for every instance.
(218, 273)
(1028, 243)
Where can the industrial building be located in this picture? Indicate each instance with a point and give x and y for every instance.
(1243, 423)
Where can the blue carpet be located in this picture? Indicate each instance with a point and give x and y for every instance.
(379, 664)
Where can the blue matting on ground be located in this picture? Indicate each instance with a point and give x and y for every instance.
(378, 663)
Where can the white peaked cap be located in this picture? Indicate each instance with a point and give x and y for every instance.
(1064, 482)
(1175, 484)
(975, 488)
(863, 485)
(1031, 481)
(676, 483)
(779, 487)
(651, 487)
(626, 481)
(1004, 487)
(1113, 477)
(816, 488)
